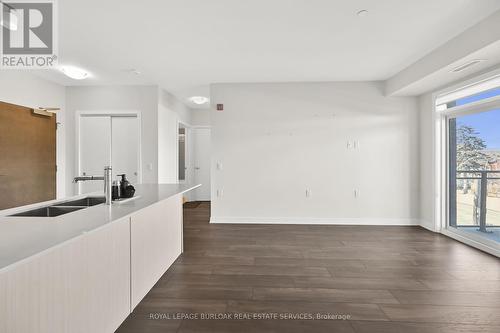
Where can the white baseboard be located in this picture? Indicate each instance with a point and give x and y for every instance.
(315, 220)
(429, 225)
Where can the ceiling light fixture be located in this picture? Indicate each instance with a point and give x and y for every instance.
(467, 65)
(199, 100)
(362, 13)
(74, 72)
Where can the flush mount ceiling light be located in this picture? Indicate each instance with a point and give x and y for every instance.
(199, 100)
(467, 65)
(362, 13)
(74, 72)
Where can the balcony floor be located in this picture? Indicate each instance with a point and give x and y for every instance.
(494, 235)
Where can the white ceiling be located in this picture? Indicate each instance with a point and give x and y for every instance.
(445, 75)
(184, 45)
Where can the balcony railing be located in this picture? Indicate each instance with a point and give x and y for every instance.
(482, 176)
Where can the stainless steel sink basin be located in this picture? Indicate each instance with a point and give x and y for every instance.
(50, 211)
(84, 202)
(63, 207)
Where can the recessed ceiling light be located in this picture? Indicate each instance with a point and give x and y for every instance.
(467, 65)
(362, 13)
(199, 100)
(74, 72)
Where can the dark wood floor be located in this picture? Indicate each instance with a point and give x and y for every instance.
(387, 279)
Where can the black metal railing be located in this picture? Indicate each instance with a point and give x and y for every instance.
(482, 176)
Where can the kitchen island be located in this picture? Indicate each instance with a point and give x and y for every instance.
(85, 271)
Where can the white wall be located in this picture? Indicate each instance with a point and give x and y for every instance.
(427, 183)
(106, 98)
(200, 117)
(277, 140)
(170, 112)
(26, 89)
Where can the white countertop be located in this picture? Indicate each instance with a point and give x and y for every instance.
(24, 237)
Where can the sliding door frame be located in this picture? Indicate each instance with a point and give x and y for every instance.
(442, 163)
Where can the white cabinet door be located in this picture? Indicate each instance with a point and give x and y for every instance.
(201, 138)
(108, 276)
(125, 147)
(156, 242)
(95, 150)
(80, 286)
(45, 294)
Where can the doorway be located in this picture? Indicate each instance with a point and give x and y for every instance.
(108, 139)
(474, 174)
(28, 168)
(470, 150)
(182, 154)
(201, 138)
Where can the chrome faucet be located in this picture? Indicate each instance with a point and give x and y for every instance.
(107, 182)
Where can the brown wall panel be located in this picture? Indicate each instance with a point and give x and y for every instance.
(27, 156)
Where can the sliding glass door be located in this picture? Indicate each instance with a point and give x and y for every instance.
(474, 174)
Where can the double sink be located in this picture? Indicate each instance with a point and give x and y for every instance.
(63, 207)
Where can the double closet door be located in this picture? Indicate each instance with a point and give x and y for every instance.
(108, 140)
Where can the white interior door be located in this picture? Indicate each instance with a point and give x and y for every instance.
(95, 150)
(201, 138)
(125, 147)
(190, 163)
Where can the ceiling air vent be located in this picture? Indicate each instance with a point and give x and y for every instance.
(466, 65)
